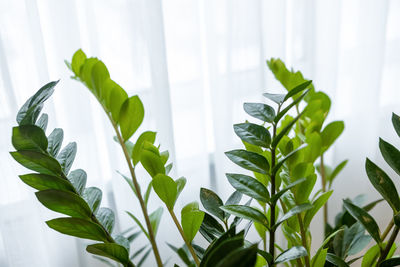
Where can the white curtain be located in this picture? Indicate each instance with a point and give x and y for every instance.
(193, 63)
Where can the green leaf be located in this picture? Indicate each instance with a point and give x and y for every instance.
(249, 186)
(166, 189)
(234, 198)
(371, 256)
(288, 156)
(288, 187)
(92, 195)
(332, 258)
(241, 257)
(285, 130)
(131, 116)
(316, 205)
(277, 98)
(79, 228)
(29, 137)
(390, 262)
(383, 184)
(286, 110)
(78, 59)
(212, 203)
(43, 182)
(247, 213)
(191, 219)
(330, 133)
(155, 219)
(107, 218)
(55, 141)
(99, 75)
(293, 211)
(319, 259)
(117, 97)
(152, 162)
(253, 134)
(260, 111)
(67, 157)
(29, 112)
(64, 202)
(110, 250)
(180, 184)
(297, 89)
(86, 73)
(390, 154)
(337, 170)
(396, 123)
(137, 148)
(43, 121)
(182, 253)
(211, 227)
(38, 162)
(364, 218)
(147, 193)
(78, 180)
(139, 224)
(249, 160)
(291, 254)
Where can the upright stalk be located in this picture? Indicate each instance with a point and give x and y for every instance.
(196, 260)
(323, 181)
(139, 194)
(304, 240)
(273, 204)
(387, 230)
(389, 245)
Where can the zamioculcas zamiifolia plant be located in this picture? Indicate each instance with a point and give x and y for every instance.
(282, 156)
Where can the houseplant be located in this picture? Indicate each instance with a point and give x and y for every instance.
(281, 153)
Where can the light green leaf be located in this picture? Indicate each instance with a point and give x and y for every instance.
(78, 59)
(288, 187)
(166, 188)
(180, 184)
(316, 205)
(249, 160)
(137, 148)
(116, 98)
(249, 186)
(155, 219)
(371, 256)
(131, 116)
(330, 133)
(191, 219)
(293, 211)
(152, 162)
(99, 75)
(297, 89)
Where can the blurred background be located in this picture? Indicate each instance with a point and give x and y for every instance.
(193, 63)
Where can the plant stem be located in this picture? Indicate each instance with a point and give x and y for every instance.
(387, 230)
(304, 240)
(323, 180)
(273, 204)
(139, 194)
(178, 225)
(265, 233)
(389, 245)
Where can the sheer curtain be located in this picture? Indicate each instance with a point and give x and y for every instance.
(193, 63)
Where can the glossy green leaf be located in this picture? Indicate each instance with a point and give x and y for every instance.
(78, 59)
(166, 188)
(285, 130)
(249, 186)
(152, 163)
(288, 156)
(364, 218)
(332, 258)
(64, 202)
(234, 198)
(67, 157)
(79, 228)
(220, 250)
(383, 184)
(43, 182)
(211, 227)
(277, 98)
(155, 219)
(395, 261)
(110, 250)
(29, 112)
(55, 141)
(29, 137)
(241, 257)
(253, 134)
(116, 99)
(371, 256)
(316, 205)
(289, 107)
(191, 219)
(86, 72)
(43, 121)
(92, 195)
(137, 148)
(284, 190)
(247, 213)
(396, 123)
(291, 254)
(131, 116)
(293, 211)
(330, 133)
(38, 162)
(390, 154)
(107, 218)
(78, 180)
(260, 111)
(249, 160)
(212, 203)
(301, 87)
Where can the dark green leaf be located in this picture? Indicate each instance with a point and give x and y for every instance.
(166, 189)
(390, 154)
(241, 257)
(249, 186)
(234, 198)
(55, 141)
(297, 89)
(131, 116)
(78, 180)
(285, 130)
(155, 219)
(137, 148)
(29, 112)
(293, 211)
(221, 250)
(383, 184)
(212, 203)
(249, 160)
(107, 218)
(280, 163)
(37, 162)
(211, 227)
(332, 258)
(291, 254)
(64, 202)
(92, 196)
(364, 218)
(286, 110)
(43, 182)
(260, 111)
(253, 134)
(79, 228)
(396, 123)
(247, 213)
(110, 250)
(67, 157)
(390, 262)
(43, 121)
(277, 98)
(29, 137)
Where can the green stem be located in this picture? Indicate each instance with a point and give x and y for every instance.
(389, 245)
(188, 244)
(139, 194)
(387, 230)
(265, 233)
(323, 181)
(304, 240)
